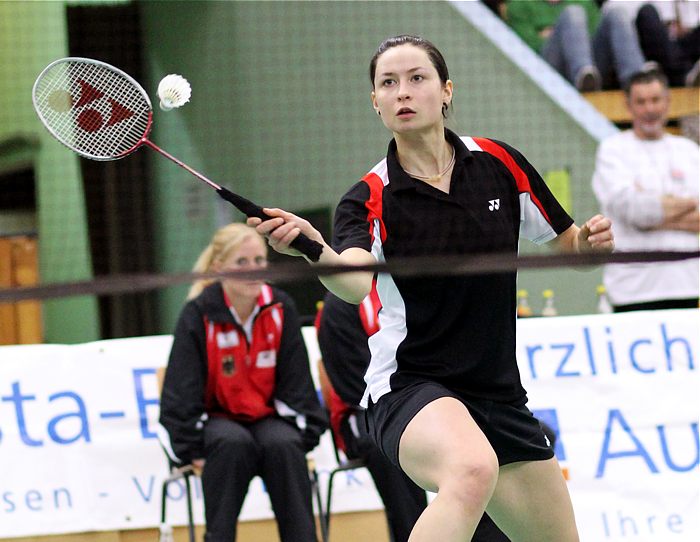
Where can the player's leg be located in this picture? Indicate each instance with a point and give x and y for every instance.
(403, 500)
(531, 503)
(443, 450)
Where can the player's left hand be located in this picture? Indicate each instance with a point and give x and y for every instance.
(596, 235)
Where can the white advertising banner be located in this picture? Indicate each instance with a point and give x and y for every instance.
(624, 394)
(79, 450)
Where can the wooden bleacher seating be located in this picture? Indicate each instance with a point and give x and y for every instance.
(21, 322)
(611, 103)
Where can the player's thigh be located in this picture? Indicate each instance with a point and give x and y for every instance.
(531, 503)
(441, 442)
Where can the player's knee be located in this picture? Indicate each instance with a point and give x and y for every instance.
(473, 481)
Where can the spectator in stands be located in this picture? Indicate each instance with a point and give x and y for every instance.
(646, 181)
(678, 55)
(561, 30)
(669, 34)
(238, 399)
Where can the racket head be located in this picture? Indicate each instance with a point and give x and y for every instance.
(93, 108)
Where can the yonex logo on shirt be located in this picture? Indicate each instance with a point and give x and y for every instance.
(494, 204)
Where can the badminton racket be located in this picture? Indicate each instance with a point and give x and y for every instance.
(102, 113)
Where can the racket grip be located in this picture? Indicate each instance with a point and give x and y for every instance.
(310, 248)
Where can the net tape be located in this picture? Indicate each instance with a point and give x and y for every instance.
(400, 267)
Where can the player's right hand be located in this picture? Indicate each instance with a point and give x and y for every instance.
(282, 228)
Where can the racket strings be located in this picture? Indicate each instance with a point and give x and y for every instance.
(93, 109)
(125, 95)
(120, 137)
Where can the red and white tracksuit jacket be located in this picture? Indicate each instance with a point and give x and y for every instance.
(214, 369)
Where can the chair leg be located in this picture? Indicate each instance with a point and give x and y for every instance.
(166, 531)
(316, 489)
(328, 501)
(190, 517)
(163, 500)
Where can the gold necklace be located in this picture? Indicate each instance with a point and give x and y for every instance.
(434, 178)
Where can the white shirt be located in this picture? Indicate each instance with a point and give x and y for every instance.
(630, 177)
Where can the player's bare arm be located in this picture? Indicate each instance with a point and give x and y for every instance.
(595, 235)
(281, 230)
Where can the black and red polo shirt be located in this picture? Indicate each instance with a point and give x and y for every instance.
(458, 331)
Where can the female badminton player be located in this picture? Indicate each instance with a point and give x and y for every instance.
(444, 398)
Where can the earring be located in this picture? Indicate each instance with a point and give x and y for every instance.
(379, 112)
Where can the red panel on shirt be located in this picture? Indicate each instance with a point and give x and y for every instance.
(521, 179)
(374, 204)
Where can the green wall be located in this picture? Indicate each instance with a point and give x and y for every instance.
(280, 111)
(33, 33)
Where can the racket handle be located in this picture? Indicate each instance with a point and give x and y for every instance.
(310, 248)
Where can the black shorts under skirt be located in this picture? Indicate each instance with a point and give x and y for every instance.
(511, 429)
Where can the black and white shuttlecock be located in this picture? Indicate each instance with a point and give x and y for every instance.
(173, 91)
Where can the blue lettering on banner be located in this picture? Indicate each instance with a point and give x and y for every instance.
(81, 414)
(638, 450)
(579, 357)
(633, 356)
(626, 525)
(142, 402)
(60, 499)
(148, 493)
(33, 500)
(531, 358)
(351, 479)
(9, 503)
(18, 399)
(71, 424)
(678, 340)
(667, 455)
(589, 350)
(568, 350)
(146, 488)
(36, 501)
(611, 353)
(107, 415)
